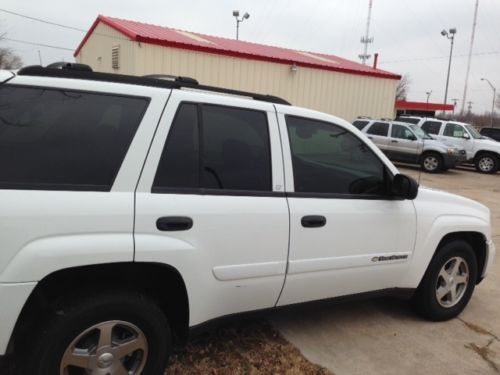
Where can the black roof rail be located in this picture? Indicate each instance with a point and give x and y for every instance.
(69, 66)
(177, 83)
(169, 77)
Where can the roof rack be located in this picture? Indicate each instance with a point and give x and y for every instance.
(160, 81)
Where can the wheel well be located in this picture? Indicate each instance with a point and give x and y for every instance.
(484, 152)
(478, 243)
(162, 283)
(430, 152)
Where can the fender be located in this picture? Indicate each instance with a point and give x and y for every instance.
(43, 256)
(427, 242)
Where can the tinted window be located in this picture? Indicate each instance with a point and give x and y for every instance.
(236, 151)
(329, 159)
(234, 147)
(63, 139)
(360, 124)
(454, 130)
(431, 127)
(179, 163)
(402, 132)
(379, 128)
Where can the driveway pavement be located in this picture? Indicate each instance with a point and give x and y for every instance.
(385, 337)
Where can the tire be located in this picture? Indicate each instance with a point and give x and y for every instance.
(487, 163)
(433, 300)
(129, 318)
(432, 162)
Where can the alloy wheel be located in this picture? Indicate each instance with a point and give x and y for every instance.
(452, 282)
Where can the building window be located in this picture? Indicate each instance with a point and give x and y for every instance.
(115, 57)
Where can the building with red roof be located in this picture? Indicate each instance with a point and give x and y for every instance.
(324, 82)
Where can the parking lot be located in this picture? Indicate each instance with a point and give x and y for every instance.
(385, 337)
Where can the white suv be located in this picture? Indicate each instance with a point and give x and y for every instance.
(133, 210)
(484, 153)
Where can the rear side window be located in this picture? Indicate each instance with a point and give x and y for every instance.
(360, 124)
(55, 139)
(379, 128)
(218, 148)
(431, 127)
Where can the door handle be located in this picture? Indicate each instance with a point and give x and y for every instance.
(394, 141)
(313, 221)
(174, 223)
(370, 137)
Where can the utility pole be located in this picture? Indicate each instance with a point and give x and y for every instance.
(428, 93)
(494, 97)
(455, 101)
(40, 57)
(469, 106)
(367, 39)
(474, 23)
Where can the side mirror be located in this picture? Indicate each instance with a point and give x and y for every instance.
(404, 187)
(412, 137)
(466, 136)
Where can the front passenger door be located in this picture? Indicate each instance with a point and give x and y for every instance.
(347, 234)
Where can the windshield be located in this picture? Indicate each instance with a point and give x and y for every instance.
(475, 134)
(419, 132)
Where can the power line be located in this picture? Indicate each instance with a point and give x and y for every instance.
(38, 44)
(41, 20)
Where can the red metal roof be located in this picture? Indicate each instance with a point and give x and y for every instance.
(422, 106)
(164, 36)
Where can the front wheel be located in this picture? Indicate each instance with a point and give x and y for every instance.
(111, 334)
(448, 283)
(432, 162)
(487, 163)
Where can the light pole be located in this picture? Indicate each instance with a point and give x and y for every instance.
(428, 93)
(236, 14)
(494, 97)
(450, 35)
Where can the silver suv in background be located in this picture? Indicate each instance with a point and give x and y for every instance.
(484, 153)
(408, 143)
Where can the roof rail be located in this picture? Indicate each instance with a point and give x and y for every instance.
(169, 77)
(152, 81)
(69, 66)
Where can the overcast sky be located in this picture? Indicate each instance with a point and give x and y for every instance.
(406, 33)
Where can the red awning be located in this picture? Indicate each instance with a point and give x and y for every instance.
(423, 106)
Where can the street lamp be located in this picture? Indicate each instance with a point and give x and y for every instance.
(428, 93)
(494, 97)
(236, 14)
(450, 35)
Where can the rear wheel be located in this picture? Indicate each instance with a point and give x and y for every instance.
(487, 163)
(108, 334)
(448, 283)
(432, 162)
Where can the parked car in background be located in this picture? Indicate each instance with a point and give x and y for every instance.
(409, 144)
(493, 133)
(483, 153)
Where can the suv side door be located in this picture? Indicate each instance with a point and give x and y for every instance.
(347, 234)
(211, 203)
(378, 132)
(457, 134)
(404, 145)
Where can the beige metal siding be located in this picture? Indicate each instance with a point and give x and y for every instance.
(97, 51)
(341, 94)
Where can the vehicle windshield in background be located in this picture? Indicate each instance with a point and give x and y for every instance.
(472, 130)
(419, 132)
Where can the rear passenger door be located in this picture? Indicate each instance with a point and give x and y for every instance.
(211, 203)
(378, 132)
(405, 146)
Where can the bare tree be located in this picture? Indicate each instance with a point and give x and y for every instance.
(403, 87)
(8, 59)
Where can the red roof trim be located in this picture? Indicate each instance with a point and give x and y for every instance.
(401, 104)
(228, 51)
